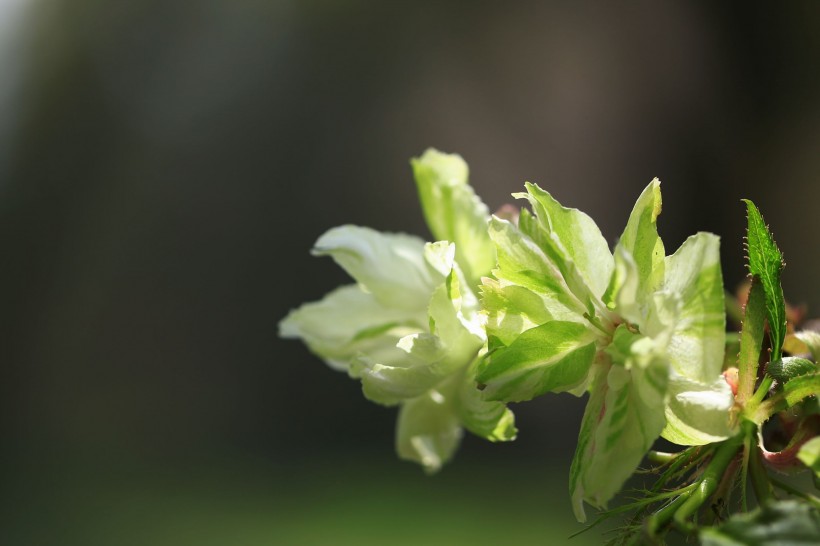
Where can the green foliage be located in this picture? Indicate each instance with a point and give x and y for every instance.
(766, 263)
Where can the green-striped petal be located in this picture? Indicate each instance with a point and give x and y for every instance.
(454, 212)
(391, 266)
(623, 417)
(579, 237)
(641, 238)
(349, 321)
(693, 273)
(698, 413)
(428, 430)
(554, 356)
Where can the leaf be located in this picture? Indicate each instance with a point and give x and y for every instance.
(454, 212)
(428, 431)
(793, 392)
(785, 523)
(790, 367)
(751, 340)
(809, 455)
(623, 417)
(641, 238)
(693, 274)
(391, 266)
(803, 386)
(766, 262)
(349, 321)
(579, 236)
(554, 356)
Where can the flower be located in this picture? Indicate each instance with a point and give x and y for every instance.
(642, 332)
(410, 328)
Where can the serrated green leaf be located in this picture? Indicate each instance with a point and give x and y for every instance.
(809, 455)
(641, 238)
(781, 523)
(789, 367)
(800, 387)
(454, 212)
(766, 262)
(554, 356)
(623, 417)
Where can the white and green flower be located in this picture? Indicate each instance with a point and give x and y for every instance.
(641, 331)
(410, 327)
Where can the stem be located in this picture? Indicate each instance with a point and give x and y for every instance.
(709, 481)
(662, 517)
(748, 434)
(760, 479)
(660, 457)
(760, 394)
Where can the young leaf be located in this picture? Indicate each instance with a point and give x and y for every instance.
(766, 262)
(751, 340)
(800, 387)
(790, 367)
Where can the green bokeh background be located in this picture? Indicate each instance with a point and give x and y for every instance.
(165, 167)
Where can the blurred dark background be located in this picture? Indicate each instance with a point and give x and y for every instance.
(165, 167)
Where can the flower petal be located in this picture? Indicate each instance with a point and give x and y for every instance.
(389, 265)
(349, 321)
(454, 212)
(693, 273)
(428, 431)
(698, 413)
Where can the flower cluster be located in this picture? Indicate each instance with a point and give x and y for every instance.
(504, 310)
